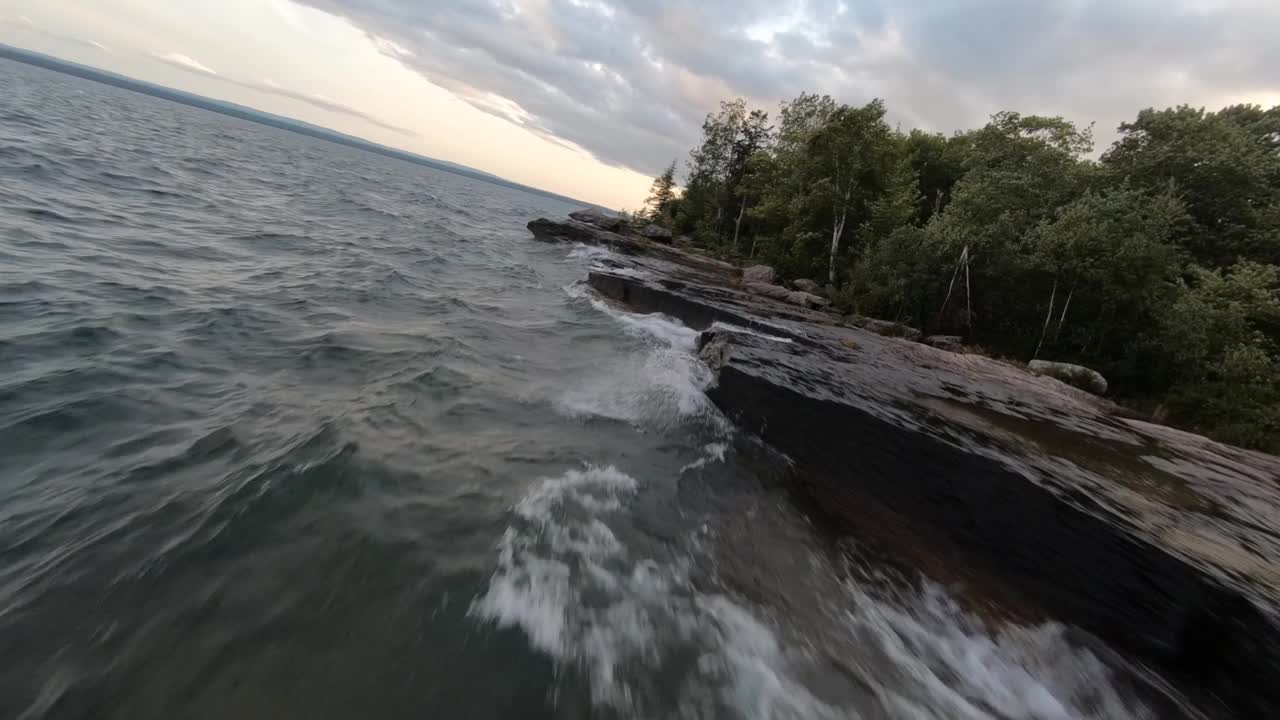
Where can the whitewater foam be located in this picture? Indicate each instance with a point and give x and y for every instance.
(714, 452)
(580, 596)
(659, 386)
(941, 662)
(632, 622)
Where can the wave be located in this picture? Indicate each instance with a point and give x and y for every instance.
(651, 630)
(641, 629)
(580, 596)
(660, 386)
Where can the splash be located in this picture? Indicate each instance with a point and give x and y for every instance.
(660, 386)
(931, 659)
(583, 597)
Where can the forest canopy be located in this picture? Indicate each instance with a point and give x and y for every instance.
(1156, 262)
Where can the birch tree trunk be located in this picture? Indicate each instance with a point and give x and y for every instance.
(738, 225)
(1047, 317)
(1063, 319)
(836, 231)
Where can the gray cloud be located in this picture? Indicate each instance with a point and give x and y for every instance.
(630, 80)
(191, 65)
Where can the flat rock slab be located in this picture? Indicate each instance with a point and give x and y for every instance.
(575, 231)
(1159, 541)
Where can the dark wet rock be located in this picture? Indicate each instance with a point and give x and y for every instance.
(777, 292)
(656, 233)
(1162, 543)
(1074, 375)
(760, 274)
(950, 343)
(598, 218)
(700, 298)
(807, 299)
(807, 285)
(575, 231)
(887, 328)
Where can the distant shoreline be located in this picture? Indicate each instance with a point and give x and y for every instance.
(221, 107)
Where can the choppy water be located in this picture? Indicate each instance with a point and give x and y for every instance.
(292, 431)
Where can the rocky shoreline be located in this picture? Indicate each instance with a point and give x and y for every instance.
(1159, 542)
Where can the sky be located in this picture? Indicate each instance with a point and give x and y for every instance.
(591, 98)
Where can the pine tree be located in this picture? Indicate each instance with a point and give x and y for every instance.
(662, 193)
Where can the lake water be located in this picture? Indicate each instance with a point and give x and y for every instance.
(289, 430)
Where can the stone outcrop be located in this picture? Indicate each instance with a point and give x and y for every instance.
(1163, 544)
(806, 299)
(1160, 542)
(1074, 375)
(807, 285)
(760, 274)
(777, 292)
(886, 328)
(598, 218)
(656, 233)
(950, 343)
(575, 231)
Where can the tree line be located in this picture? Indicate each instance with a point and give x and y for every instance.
(1158, 263)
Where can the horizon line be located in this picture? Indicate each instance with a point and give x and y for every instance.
(227, 108)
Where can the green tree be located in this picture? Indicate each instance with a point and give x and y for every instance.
(1159, 264)
(1111, 262)
(1218, 340)
(937, 165)
(845, 166)
(1225, 164)
(662, 195)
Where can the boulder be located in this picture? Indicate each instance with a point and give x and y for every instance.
(682, 241)
(1074, 375)
(760, 274)
(598, 218)
(807, 285)
(953, 343)
(890, 329)
(656, 233)
(805, 299)
(777, 292)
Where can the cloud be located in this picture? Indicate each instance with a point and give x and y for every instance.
(190, 64)
(185, 62)
(21, 22)
(26, 24)
(630, 80)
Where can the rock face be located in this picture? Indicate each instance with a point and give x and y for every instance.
(582, 232)
(950, 343)
(805, 299)
(777, 292)
(1074, 375)
(887, 328)
(597, 218)
(760, 274)
(1161, 543)
(656, 233)
(807, 285)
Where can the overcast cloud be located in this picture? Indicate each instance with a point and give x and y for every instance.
(630, 80)
(192, 65)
